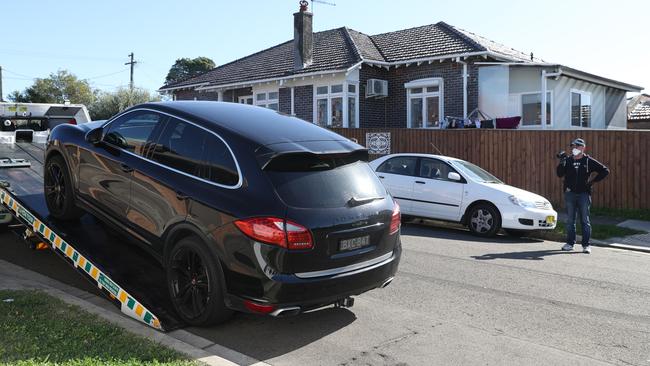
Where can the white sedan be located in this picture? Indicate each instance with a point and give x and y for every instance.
(449, 189)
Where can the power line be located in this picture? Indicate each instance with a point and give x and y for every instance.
(106, 75)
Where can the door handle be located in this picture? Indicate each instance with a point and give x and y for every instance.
(419, 182)
(381, 176)
(125, 168)
(181, 196)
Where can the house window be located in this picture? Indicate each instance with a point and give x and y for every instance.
(267, 100)
(425, 103)
(531, 109)
(580, 108)
(336, 105)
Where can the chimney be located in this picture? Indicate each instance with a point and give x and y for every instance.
(303, 37)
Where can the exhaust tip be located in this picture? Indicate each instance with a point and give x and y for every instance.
(290, 311)
(387, 282)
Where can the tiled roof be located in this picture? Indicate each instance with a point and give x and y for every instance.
(641, 109)
(332, 51)
(341, 48)
(425, 41)
(497, 47)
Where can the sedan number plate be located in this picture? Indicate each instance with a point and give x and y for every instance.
(354, 243)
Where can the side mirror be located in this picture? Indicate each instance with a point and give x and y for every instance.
(454, 176)
(94, 136)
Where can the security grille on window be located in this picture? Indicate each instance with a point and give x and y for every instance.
(424, 106)
(580, 109)
(267, 100)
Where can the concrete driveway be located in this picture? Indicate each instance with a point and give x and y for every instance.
(459, 300)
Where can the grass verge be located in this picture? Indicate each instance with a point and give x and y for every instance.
(38, 329)
(623, 213)
(598, 231)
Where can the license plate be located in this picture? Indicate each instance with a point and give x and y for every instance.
(354, 243)
(550, 219)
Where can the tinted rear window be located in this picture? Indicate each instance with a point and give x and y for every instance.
(323, 182)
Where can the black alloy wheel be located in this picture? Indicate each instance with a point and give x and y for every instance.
(58, 190)
(194, 283)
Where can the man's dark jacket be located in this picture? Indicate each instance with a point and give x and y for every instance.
(576, 173)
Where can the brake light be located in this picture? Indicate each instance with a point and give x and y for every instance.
(395, 220)
(258, 308)
(276, 231)
(72, 121)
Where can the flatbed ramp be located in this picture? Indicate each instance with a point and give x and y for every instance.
(132, 279)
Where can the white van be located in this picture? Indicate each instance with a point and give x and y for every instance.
(33, 121)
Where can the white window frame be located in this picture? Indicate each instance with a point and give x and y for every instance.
(265, 103)
(591, 104)
(344, 94)
(550, 101)
(424, 84)
(244, 97)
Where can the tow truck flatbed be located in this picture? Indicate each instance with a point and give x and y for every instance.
(129, 276)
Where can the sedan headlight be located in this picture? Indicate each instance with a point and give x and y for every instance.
(525, 203)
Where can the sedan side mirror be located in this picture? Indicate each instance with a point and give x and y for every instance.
(94, 136)
(454, 176)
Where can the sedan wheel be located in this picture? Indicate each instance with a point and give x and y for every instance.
(484, 220)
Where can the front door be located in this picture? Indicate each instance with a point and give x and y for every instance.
(105, 172)
(247, 99)
(434, 194)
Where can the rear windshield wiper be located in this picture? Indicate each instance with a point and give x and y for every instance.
(362, 201)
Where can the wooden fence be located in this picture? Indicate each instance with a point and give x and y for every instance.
(526, 159)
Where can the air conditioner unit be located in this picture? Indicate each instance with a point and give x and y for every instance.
(376, 88)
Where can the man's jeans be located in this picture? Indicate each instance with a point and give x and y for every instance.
(577, 204)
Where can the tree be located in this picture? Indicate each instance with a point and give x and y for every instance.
(108, 104)
(185, 68)
(57, 88)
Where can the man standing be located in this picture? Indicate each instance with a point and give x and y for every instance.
(577, 171)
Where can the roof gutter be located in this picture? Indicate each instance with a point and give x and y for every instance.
(182, 87)
(420, 61)
(278, 79)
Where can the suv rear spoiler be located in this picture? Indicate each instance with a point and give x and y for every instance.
(265, 154)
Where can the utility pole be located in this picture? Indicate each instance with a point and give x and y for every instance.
(1, 100)
(131, 63)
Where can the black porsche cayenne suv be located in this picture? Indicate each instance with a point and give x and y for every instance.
(246, 208)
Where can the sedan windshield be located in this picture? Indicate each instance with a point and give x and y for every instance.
(475, 173)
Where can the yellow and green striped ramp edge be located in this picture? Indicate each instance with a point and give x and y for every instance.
(129, 305)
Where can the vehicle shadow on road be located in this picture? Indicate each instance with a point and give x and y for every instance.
(264, 338)
(535, 255)
(447, 231)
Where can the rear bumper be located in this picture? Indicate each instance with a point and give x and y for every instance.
(312, 290)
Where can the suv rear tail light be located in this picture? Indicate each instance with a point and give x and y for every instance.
(259, 308)
(276, 231)
(72, 121)
(395, 220)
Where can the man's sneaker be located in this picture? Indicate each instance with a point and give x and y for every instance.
(586, 249)
(567, 247)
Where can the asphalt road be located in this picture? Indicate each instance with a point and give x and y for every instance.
(458, 300)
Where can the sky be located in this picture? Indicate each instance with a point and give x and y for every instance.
(92, 39)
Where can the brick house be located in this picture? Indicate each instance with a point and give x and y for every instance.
(638, 112)
(411, 78)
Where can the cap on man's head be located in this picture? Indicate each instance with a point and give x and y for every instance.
(578, 142)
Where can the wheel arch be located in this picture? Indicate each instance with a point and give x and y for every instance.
(469, 208)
